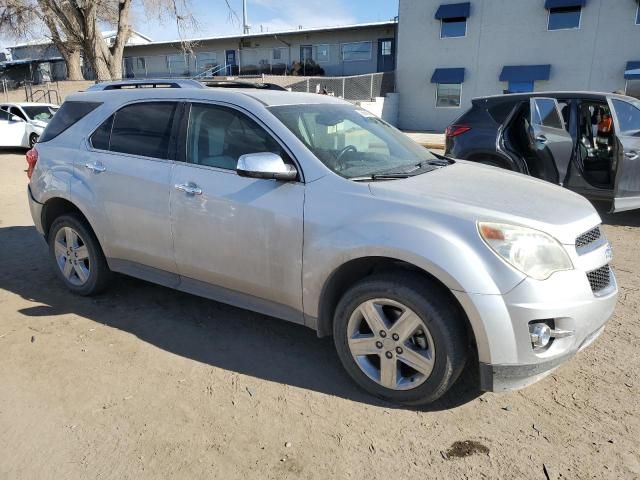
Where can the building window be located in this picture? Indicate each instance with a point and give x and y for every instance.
(520, 87)
(448, 95)
(387, 48)
(453, 27)
(355, 52)
(277, 54)
(322, 53)
(564, 18)
(206, 61)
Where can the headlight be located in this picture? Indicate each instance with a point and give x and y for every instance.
(534, 253)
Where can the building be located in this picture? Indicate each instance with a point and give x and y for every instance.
(330, 51)
(449, 53)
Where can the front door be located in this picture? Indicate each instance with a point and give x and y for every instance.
(386, 54)
(128, 168)
(551, 142)
(237, 239)
(627, 182)
(230, 58)
(13, 130)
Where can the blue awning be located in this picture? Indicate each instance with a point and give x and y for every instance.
(525, 73)
(632, 72)
(454, 10)
(564, 3)
(448, 75)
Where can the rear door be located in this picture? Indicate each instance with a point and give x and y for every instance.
(128, 170)
(549, 137)
(627, 126)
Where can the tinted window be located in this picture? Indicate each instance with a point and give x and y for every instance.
(564, 18)
(17, 112)
(219, 136)
(143, 129)
(453, 27)
(100, 138)
(448, 94)
(4, 115)
(500, 112)
(546, 113)
(68, 115)
(628, 117)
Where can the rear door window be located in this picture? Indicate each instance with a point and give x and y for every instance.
(546, 113)
(68, 115)
(102, 136)
(143, 129)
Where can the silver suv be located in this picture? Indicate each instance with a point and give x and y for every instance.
(310, 209)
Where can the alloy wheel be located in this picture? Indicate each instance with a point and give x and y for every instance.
(72, 256)
(391, 344)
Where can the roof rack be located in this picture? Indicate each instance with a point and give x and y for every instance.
(127, 84)
(239, 84)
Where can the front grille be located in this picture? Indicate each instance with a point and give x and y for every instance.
(588, 238)
(599, 279)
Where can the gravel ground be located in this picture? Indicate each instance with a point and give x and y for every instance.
(144, 382)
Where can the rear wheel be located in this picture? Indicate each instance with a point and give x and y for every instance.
(33, 139)
(77, 256)
(400, 338)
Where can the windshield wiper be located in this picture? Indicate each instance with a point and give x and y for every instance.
(381, 176)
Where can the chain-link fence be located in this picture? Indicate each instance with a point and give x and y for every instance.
(353, 88)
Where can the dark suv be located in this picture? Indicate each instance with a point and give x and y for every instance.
(588, 142)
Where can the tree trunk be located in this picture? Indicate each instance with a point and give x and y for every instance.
(74, 69)
(115, 66)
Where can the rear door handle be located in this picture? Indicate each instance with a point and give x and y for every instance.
(631, 155)
(189, 188)
(95, 167)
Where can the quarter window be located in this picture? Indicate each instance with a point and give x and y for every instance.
(546, 113)
(143, 129)
(453, 27)
(564, 18)
(219, 136)
(354, 52)
(448, 95)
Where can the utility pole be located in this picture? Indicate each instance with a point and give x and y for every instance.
(244, 17)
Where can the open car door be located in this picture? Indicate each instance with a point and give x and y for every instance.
(549, 138)
(627, 125)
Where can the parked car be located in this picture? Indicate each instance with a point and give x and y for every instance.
(310, 209)
(21, 124)
(587, 142)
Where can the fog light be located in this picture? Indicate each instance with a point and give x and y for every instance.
(540, 334)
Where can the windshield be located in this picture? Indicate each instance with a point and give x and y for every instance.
(42, 113)
(350, 141)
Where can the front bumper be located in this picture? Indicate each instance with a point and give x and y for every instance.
(500, 323)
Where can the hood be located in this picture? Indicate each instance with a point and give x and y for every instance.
(482, 193)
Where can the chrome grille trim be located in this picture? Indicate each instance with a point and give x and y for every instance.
(588, 238)
(599, 279)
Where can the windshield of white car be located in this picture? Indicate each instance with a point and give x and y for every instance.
(40, 112)
(355, 143)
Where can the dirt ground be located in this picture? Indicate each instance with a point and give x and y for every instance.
(145, 382)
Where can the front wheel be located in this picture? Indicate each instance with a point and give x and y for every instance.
(33, 139)
(400, 338)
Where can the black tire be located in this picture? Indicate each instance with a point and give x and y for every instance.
(442, 317)
(33, 139)
(99, 273)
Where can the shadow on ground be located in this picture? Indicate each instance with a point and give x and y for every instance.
(206, 331)
(630, 218)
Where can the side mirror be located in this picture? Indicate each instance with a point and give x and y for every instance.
(265, 165)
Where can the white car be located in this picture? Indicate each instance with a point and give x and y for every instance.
(21, 124)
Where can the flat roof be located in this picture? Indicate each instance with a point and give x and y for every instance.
(356, 26)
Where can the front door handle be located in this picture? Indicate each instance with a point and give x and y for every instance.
(189, 188)
(541, 139)
(631, 155)
(95, 167)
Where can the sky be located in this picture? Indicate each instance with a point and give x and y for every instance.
(270, 15)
